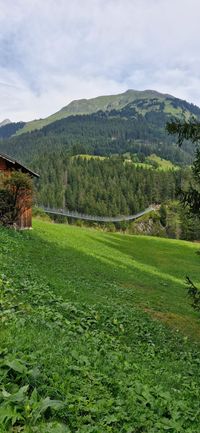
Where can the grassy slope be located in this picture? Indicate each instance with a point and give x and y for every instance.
(163, 164)
(95, 342)
(86, 156)
(149, 272)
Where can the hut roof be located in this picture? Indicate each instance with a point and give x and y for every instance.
(17, 165)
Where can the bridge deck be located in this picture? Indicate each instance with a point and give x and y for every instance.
(76, 215)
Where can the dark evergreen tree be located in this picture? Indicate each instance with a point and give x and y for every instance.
(190, 130)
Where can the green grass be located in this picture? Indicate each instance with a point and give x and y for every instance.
(125, 262)
(163, 164)
(97, 334)
(88, 157)
(40, 123)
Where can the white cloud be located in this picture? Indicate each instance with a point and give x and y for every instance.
(56, 50)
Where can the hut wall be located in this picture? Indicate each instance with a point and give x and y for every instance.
(25, 220)
(4, 167)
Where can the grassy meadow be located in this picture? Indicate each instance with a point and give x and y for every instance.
(162, 164)
(97, 333)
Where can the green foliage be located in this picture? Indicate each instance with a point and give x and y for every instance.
(189, 224)
(163, 215)
(15, 196)
(40, 214)
(176, 221)
(6, 207)
(148, 224)
(190, 130)
(185, 130)
(194, 294)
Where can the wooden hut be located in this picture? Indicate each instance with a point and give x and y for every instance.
(7, 166)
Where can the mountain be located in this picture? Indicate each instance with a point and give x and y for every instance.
(131, 122)
(89, 106)
(5, 122)
(9, 129)
(143, 101)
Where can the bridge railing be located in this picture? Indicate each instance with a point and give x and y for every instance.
(77, 215)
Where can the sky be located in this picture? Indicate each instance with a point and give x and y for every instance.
(55, 51)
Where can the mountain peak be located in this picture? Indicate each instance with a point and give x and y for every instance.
(5, 122)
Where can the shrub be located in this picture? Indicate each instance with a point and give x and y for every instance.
(15, 196)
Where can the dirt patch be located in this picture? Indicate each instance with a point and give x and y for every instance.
(130, 285)
(186, 325)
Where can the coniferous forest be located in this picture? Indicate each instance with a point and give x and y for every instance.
(111, 186)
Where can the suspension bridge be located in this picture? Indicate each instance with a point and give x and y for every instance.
(106, 219)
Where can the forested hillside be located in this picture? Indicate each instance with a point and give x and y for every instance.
(101, 134)
(111, 186)
(9, 129)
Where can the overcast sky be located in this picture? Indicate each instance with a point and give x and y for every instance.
(54, 51)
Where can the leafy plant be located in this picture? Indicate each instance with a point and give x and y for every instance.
(194, 294)
(15, 196)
